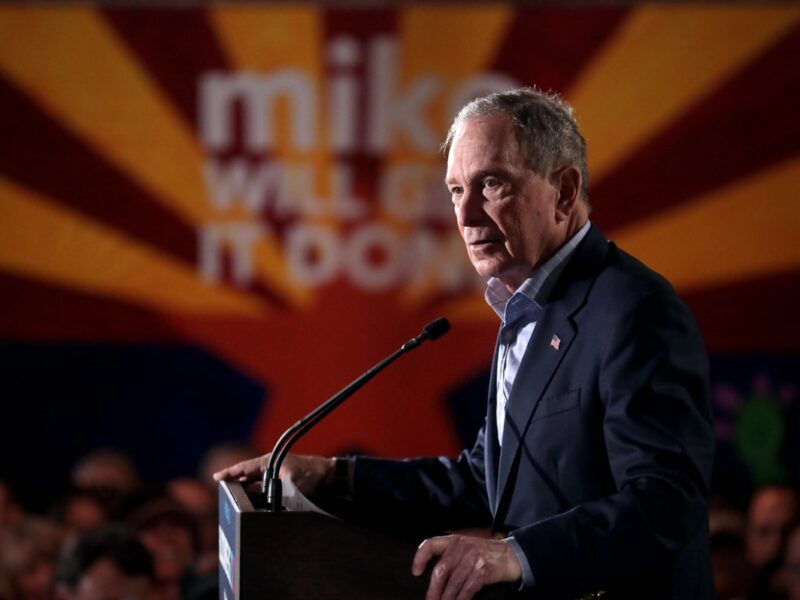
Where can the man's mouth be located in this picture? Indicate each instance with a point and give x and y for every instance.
(484, 242)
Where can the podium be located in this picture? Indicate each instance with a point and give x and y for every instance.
(309, 556)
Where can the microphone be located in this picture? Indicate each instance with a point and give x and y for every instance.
(271, 486)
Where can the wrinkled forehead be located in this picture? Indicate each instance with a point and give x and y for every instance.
(490, 139)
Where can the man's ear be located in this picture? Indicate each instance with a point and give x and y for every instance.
(567, 181)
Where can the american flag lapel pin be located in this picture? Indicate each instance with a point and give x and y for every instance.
(555, 342)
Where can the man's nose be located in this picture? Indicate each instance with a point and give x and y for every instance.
(469, 210)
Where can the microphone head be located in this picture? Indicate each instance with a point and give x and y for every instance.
(436, 329)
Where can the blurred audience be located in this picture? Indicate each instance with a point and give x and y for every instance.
(28, 554)
(106, 469)
(199, 500)
(789, 574)
(108, 563)
(772, 512)
(119, 541)
(10, 510)
(169, 532)
(732, 574)
(111, 475)
(80, 511)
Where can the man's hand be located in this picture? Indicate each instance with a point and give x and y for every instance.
(247, 470)
(309, 473)
(466, 565)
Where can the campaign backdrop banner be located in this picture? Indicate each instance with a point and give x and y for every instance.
(212, 219)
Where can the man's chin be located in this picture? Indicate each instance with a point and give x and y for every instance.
(489, 272)
(486, 270)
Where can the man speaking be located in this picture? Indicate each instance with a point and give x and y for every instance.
(593, 465)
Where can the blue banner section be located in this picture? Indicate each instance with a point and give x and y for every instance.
(162, 405)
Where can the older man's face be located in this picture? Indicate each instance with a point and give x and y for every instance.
(506, 213)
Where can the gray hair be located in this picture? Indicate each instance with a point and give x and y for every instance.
(545, 125)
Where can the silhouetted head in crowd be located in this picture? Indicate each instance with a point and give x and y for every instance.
(106, 470)
(193, 495)
(10, 510)
(169, 532)
(199, 500)
(28, 555)
(108, 563)
(789, 573)
(772, 512)
(79, 511)
(732, 574)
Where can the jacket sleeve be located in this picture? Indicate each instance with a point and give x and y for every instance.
(659, 441)
(420, 497)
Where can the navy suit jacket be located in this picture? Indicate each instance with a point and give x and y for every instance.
(602, 474)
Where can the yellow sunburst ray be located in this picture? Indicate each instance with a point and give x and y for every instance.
(269, 38)
(747, 229)
(74, 66)
(41, 240)
(664, 58)
(429, 37)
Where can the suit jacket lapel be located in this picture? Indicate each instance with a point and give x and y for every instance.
(491, 449)
(552, 337)
(540, 361)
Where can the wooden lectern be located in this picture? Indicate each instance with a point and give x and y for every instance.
(308, 555)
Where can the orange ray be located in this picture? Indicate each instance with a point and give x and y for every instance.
(40, 239)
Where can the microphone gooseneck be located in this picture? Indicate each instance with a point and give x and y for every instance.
(271, 486)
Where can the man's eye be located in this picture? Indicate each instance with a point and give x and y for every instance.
(456, 190)
(491, 182)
